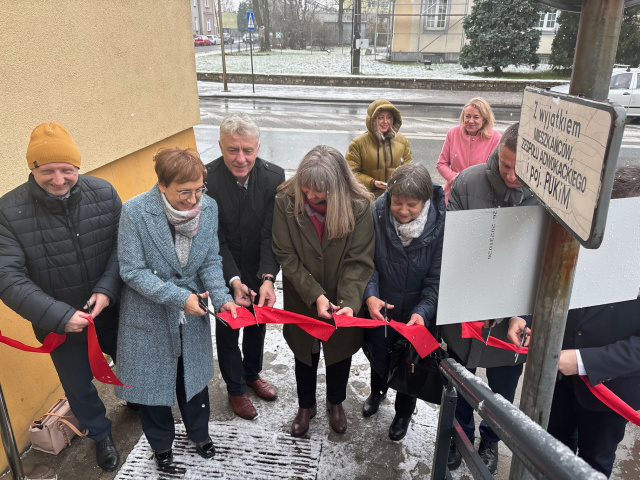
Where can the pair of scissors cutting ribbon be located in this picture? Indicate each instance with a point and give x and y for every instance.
(203, 304)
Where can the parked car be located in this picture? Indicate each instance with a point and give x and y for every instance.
(201, 40)
(227, 37)
(214, 39)
(256, 37)
(624, 89)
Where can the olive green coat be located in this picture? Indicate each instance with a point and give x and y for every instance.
(339, 269)
(374, 156)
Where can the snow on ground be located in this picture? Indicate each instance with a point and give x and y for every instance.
(336, 63)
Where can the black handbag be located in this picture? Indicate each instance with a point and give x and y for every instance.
(412, 375)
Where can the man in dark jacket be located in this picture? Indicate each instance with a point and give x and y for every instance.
(490, 185)
(244, 186)
(601, 342)
(58, 264)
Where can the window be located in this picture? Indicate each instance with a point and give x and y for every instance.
(436, 14)
(206, 3)
(208, 25)
(195, 3)
(547, 20)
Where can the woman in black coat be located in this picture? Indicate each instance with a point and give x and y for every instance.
(409, 226)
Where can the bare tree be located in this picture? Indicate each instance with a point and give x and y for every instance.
(263, 19)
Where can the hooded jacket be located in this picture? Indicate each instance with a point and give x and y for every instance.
(476, 187)
(373, 155)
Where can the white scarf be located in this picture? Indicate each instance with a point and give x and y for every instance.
(408, 231)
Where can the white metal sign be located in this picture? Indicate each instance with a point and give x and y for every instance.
(567, 153)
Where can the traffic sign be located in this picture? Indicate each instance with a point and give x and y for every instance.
(251, 22)
(278, 34)
(567, 152)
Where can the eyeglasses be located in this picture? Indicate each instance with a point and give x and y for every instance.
(187, 194)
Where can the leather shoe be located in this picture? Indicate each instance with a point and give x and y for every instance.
(300, 424)
(263, 389)
(399, 427)
(337, 418)
(107, 454)
(372, 403)
(488, 452)
(206, 449)
(454, 459)
(164, 458)
(243, 407)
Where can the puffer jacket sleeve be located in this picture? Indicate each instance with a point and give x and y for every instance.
(456, 194)
(408, 158)
(357, 265)
(427, 306)
(20, 294)
(110, 283)
(134, 270)
(354, 156)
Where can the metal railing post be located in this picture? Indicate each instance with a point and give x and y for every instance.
(443, 436)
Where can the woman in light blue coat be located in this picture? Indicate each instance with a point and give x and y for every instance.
(168, 253)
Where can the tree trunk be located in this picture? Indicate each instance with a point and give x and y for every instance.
(262, 19)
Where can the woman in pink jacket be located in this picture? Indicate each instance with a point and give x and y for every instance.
(470, 143)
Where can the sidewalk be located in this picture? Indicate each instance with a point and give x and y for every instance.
(355, 94)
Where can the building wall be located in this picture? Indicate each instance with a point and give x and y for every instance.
(121, 77)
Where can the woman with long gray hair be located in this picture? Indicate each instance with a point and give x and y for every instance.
(323, 239)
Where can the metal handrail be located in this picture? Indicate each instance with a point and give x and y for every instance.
(543, 455)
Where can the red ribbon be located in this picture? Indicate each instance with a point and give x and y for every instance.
(99, 366)
(418, 335)
(613, 401)
(474, 330)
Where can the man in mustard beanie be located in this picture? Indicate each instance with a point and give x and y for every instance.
(58, 265)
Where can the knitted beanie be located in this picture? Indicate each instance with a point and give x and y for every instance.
(51, 143)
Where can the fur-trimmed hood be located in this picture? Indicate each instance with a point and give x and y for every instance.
(372, 113)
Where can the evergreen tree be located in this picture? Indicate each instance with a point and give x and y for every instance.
(563, 47)
(501, 33)
(629, 43)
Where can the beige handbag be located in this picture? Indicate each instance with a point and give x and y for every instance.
(55, 429)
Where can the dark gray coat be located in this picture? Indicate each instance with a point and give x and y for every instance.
(476, 187)
(55, 253)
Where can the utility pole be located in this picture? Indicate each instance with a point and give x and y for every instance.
(224, 61)
(355, 43)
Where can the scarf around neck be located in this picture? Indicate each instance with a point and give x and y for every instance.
(186, 225)
(408, 231)
(317, 214)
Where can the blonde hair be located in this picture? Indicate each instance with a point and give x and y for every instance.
(485, 112)
(324, 169)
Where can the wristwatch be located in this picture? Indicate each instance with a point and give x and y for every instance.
(268, 278)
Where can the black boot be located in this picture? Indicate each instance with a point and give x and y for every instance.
(488, 452)
(399, 427)
(107, 454)
(455, 457)
(164, 458)
(372, 403)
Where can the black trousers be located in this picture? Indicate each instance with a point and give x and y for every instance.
(235, 365)
(307, 379)
(405, 404)
(594, 435)
(72, 364)
(502, 380)
(158, 423)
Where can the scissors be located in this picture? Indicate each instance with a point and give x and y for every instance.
(486, 342)
(203, 304)
(524, 338)
(251, 300)
(384, 315)
(89, 308)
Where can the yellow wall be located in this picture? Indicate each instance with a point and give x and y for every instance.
(121, 77)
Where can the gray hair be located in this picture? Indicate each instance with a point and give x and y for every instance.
(324, 169)
(510, 138)
(626, 182)
(240, 124)
(411, 181)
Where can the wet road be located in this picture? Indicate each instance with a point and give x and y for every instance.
(289, 129)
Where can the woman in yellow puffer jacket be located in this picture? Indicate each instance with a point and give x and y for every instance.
(373, 156)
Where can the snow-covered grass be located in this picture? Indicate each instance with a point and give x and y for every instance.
(335, 63)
